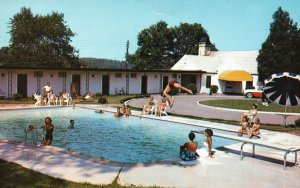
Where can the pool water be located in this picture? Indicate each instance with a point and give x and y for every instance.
(125, 139)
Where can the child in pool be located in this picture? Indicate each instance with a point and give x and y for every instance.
(208, 142)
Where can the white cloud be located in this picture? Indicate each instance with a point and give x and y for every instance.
(159, 13)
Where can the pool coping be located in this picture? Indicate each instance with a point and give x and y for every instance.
(145, 171)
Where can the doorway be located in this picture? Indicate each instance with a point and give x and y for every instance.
(144, 84)
(75, 86)
(105, 84)
(22, 85)
(165, 81)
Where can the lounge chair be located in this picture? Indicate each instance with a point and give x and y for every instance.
(147, 109)
(119, 92)
(67, 100)
(163, 112)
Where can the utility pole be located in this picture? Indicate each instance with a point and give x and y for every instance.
(127, 75)
(127, 48)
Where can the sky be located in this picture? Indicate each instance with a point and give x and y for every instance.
(103, 27)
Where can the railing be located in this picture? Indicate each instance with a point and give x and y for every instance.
(244, 141)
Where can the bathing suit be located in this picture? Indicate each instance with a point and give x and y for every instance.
(49, 135)
(187, 155)
(171, 84)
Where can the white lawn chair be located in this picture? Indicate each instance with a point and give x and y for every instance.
(150, 110)
(67, 100)
(39, 100)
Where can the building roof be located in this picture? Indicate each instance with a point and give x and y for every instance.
(218, 61)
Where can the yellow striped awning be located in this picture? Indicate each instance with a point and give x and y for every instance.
(235, 75)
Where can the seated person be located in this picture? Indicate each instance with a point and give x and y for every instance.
(162, 106)
(88, 96)
(63, 97)
(252, 112)
(118, 113)
(255, 128)
(245, 128)
(126, 110)
(101, 111)
(188, 150)
(149, 105)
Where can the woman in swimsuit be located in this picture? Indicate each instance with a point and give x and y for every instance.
(172, 84)
(188, 150)
(48, 127)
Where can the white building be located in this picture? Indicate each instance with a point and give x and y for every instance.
(27, 81)
(231, 71)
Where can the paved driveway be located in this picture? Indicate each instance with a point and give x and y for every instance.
(187, 105)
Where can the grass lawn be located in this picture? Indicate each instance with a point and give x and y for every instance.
(113, 99)
(245, 104)
(14, 175)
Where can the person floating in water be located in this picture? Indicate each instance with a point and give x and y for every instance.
(173, 84)
(48, 127)
(72, 124)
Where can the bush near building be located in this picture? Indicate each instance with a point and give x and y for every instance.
(214, 88)
(192, 87)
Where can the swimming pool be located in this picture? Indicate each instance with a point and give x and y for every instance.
(122, 139)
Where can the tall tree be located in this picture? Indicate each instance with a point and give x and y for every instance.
(41, 40)
(161, 47)
(279, 49)
(186, 39)
(155, 45)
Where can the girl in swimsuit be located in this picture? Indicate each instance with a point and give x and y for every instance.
(208, 142)
(255, 128)
(48, 127)
(172, 84)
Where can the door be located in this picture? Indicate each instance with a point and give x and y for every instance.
(165, 81)
(105, 84)
(75, 86)
(144, 84)
(22, 85)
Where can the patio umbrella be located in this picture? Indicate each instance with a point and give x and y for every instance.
(283, 89)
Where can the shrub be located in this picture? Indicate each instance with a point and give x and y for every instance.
(174, 91)
(214, 88)
(192, 87)
(297, 122)
(98, 94)
(102, 100)
(17, 96)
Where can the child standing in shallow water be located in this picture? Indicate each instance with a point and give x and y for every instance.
(208, 142)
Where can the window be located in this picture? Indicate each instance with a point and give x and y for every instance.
(118, 75)
(208, 81)
(249, 85)
(133, 75)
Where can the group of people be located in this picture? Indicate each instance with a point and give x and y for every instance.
(123, 111)
(250, 123)
(188, 151)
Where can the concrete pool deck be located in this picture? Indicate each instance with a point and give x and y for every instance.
(225, 170)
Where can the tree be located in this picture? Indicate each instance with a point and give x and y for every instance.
(4, 54)
(186, 39)
(161, 47)
(155, 45)
(41, 40)
(278, 52)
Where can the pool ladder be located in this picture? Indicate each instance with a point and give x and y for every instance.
(34, 132)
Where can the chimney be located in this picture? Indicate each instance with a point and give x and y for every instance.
(204, 46)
